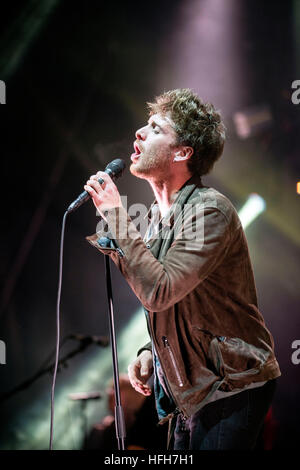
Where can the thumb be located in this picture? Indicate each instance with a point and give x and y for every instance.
(144, 369)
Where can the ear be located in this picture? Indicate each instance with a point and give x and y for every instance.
(184, 153)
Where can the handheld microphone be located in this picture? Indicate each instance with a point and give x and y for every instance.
(114, 169)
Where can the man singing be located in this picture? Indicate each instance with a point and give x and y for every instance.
(210, 352)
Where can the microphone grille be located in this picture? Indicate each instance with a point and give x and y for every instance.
(116, 167)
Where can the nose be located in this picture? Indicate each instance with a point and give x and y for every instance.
(140, 134)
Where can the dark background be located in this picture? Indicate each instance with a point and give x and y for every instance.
(77, 77)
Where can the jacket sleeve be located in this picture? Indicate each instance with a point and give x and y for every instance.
(193, 255)
(147, 347)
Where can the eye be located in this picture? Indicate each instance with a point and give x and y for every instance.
(155, 128)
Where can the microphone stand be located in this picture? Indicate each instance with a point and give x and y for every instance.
(119, 414)
(62, 362)
(115, 170)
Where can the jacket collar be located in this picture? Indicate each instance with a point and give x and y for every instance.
(183, 194)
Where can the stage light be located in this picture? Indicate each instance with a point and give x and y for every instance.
(252, 121)
(253, 207)
(191, 56)
(21, 33)
(298, 187)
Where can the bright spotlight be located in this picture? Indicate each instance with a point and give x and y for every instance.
(253, 207)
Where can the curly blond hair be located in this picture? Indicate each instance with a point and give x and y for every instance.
(197, 124)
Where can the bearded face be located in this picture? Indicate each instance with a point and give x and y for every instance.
(154, 148)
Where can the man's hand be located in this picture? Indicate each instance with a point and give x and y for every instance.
(106, 195)
(139, 372)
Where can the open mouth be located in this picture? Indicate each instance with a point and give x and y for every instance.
(135, 156)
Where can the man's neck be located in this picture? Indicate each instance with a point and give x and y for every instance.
(166, 191)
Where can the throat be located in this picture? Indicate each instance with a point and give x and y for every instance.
(164, 209)
(165, 200)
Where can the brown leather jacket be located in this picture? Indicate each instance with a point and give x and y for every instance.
(196, 281)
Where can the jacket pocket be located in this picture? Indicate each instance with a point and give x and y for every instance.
(172, 360)
(232, 357)
(235, 358)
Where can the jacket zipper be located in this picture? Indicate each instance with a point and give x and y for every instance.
(177, 410)
(172, 357)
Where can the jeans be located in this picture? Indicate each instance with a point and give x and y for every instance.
(231, 423)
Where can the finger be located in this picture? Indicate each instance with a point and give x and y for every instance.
(94, 184)
(140, 387)
(133, 373)
(96, 178)
(146, 366)
(143, 390)
(137, 384)
(91, 191)
(145, 393)
(105, 177)
(144, 370)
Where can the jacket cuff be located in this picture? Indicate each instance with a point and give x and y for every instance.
(121, 226)
(122, 231)
(147, 347)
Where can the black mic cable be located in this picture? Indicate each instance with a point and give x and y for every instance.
(57, 327)
(115, 169)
